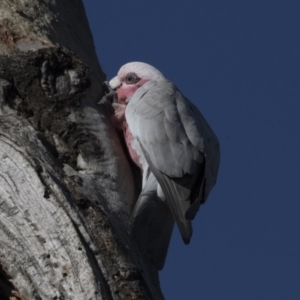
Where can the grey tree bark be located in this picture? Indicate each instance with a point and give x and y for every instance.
(66, 187)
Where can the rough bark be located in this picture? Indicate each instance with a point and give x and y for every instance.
(66, 188)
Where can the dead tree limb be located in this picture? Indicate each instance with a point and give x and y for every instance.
(66, 188)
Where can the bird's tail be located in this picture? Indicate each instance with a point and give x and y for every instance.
(152, 226)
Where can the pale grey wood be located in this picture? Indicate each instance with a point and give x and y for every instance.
(39, 243)
(66, 188)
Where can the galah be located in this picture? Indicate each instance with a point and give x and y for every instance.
(175, 148)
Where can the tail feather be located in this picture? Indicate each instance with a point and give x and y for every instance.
(152, 225)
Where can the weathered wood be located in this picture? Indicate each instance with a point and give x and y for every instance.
(66, 188)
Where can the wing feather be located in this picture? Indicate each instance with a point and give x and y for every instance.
(179, 146)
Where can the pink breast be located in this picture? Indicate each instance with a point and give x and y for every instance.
(124, 93)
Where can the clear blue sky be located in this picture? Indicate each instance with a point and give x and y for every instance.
(239, 62)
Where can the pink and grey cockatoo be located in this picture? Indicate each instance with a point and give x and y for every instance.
(175, 148)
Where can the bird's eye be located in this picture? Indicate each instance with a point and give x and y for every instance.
(132, 78)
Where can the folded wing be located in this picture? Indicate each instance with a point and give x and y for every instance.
(179, 146)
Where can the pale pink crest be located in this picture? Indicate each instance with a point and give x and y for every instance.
(144, 71)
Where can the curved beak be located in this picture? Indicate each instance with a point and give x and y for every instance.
(115, 83)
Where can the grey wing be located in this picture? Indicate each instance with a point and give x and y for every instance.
(173, 141)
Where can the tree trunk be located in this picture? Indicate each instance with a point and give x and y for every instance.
(66, 188)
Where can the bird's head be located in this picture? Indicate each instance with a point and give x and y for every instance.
(131, 77)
